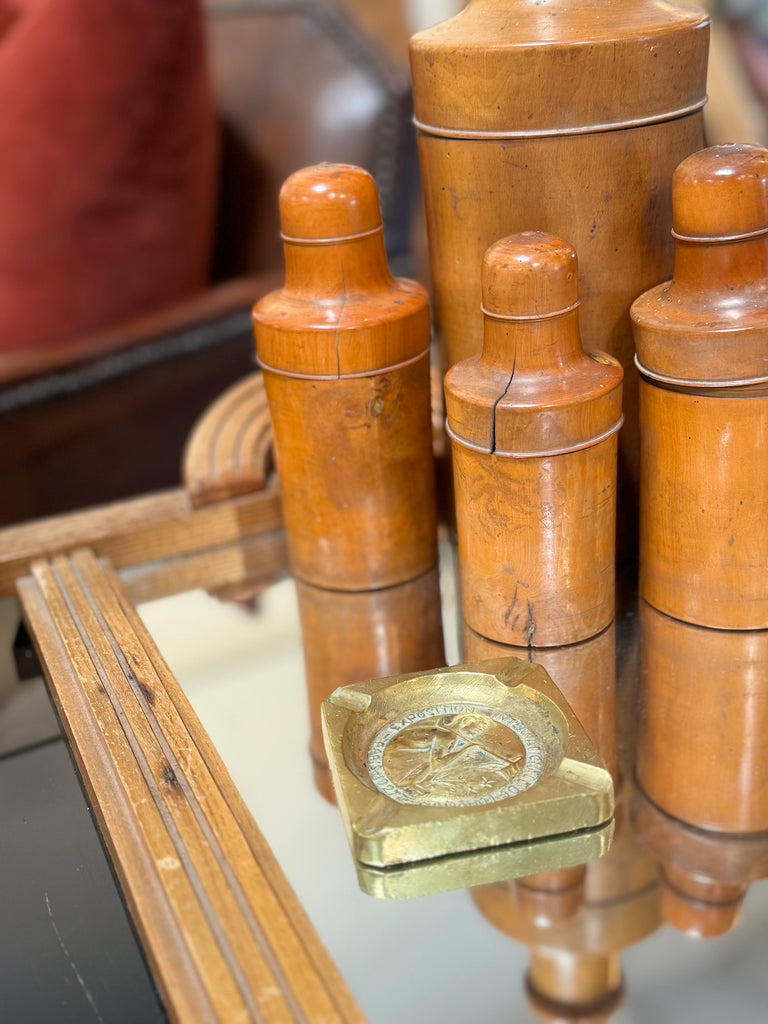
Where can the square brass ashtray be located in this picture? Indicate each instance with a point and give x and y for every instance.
(465, 775)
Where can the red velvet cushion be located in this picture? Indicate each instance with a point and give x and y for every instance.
(107, 163)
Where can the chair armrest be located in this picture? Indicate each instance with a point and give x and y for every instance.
(212, 307)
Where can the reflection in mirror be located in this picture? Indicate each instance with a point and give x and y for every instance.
(436, 957)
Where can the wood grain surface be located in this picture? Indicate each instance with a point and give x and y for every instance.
(229, 452)
(225, 936)
(533, 422)
(344, 348)
(702, 345)
(567, 118)
(142, 530)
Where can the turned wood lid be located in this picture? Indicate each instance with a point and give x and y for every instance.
(533, 391)
(340, 312)
(708, 326)
(508, 68)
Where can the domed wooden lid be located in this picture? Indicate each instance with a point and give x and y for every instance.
(525, 68)
(720, 193)
(708, 326)
(533, 390)
(340, 313)
(329, 202)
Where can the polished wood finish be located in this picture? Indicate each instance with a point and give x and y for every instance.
(565, 118)
(702, 344)
(229, 452)
(155, 529)
(106, 417)
(700, 754)
(704, 874)
(344, 99)
(533, 421)
(345, 353)
(344, 349)
(224, 934)
(352, 637)
(585, 673)
(575, 968)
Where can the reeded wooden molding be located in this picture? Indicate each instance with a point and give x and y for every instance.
(229, 451)
(224, 934)
(139, 531)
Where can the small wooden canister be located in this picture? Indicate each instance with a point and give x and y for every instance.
(533, 421)
(702, 350)
(344, 348)
(345, 352)
(566, 117)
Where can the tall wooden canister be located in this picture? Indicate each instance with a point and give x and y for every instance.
(568, 118)
(344, 348)
(702, 349)
(533, 423)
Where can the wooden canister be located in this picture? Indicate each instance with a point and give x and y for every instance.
(344, 348)
(533, 423)
(564, 117)
(345, 352)
(702, 349)
(701, 742)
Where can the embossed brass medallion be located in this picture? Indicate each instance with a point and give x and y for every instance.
(460, 776)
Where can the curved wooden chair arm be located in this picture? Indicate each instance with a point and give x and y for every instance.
(230, 453)
(229, 299)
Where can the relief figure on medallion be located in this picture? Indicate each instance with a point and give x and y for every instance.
(454, 756)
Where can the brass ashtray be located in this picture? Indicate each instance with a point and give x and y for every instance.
(448, 764)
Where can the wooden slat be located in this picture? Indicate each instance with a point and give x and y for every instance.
(226, 938)
(249, 564)
(141, 530)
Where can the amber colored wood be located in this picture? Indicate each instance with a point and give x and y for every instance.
(585, 673)
(223, 934)
(244, 567)
(351, 637)
(552, 896)
(141, 530)
(567, 118)
(704, 874)
(702, 343)
(585, 988)
(345, 353)
(701, 743)
(533, 421)
(575, 970)
(229, 451)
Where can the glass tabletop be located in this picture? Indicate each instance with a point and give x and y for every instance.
(487, 953)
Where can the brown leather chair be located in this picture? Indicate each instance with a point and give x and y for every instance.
(104, 417)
